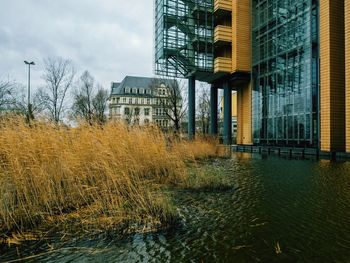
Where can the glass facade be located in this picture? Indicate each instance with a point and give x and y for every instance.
(183, 37)
(285, 72)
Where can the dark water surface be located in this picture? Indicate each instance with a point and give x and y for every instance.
(279, 211)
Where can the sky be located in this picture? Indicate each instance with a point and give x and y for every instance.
(109, 38)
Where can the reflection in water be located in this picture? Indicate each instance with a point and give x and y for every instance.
(279, 211)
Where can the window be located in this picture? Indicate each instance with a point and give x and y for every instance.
(127, 90)
(148, 101)
(137, 111)
(142, 101)
(124, 100)
(146, 121)
(141, 91)
(136, 101)
(134, 90)
(130, 100)
(126, 111)
(146, 111)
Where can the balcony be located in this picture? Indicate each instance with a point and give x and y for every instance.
(223, 5)
(222, 64)
(223, 34)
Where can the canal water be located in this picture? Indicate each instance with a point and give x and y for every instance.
(279, 210)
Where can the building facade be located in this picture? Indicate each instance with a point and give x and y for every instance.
(288, 61)
(139, 101)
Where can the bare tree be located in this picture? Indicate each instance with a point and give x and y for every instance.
(59, 76)
(83, 96)
(99, 104)
(20, 105)
(171, 95)
(90, 102)
(203, 105)
(7, 99)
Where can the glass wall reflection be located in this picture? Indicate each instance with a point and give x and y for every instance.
(285, 72)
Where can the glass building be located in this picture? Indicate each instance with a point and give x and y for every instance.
(285, 72)
(184, 38)
(286, 59)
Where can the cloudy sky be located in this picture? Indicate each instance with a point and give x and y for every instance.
(110, 38)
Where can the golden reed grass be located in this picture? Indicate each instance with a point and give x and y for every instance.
(95, 175)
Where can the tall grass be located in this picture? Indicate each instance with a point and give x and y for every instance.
(91, 175)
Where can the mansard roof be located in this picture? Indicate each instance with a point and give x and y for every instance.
(136, 82)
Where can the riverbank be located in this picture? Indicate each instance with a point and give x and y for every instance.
(93, 179)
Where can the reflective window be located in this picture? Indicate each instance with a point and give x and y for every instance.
(285, 72)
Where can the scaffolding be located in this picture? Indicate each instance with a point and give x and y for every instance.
(184, 38)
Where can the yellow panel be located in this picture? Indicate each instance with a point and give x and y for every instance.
(244, 118)
(241, 57)
(347, 68)
(223, 33)
(332, 75)
(222, 64)
(223, 5)
(234, 104)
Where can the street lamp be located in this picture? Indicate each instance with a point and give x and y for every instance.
(30, 114)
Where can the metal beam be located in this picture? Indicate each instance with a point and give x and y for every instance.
(227, 136)
(213, 110)
(191, 107)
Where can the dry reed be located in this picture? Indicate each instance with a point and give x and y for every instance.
(105, 176)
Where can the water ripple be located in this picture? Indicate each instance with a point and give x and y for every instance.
(303, 207)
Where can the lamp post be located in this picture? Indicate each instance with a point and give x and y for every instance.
(30, 114)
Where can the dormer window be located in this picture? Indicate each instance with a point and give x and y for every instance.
(134, 90)
(127, 90)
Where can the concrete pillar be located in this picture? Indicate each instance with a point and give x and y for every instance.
(213, 110)
(191, 107)
(227, 114)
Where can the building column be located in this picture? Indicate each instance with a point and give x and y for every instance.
(191, 107)
(227, 114)
(347, 68)
(244, 115)
(213, 110)
(332, 76)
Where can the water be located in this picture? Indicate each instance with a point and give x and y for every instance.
(279, 211)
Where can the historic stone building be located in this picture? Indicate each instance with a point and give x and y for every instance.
(137, 100)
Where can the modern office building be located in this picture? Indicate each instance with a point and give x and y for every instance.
(286, 59)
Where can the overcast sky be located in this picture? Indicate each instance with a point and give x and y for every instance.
(110, 38)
